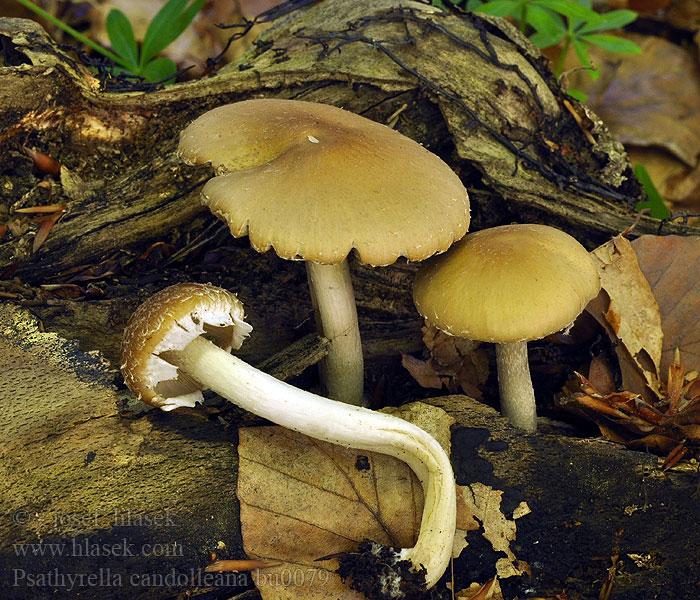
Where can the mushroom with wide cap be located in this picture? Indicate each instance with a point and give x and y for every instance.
(314, 182)
(178, 342)
(508, 285)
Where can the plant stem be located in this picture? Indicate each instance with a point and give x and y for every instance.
(523, 16)
(73, 32)
(562, 57)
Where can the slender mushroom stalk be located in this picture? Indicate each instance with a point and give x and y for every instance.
(515, 385)
(336, 319)
(178, 343)
(315, 182)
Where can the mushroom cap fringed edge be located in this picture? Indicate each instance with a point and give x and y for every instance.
(170, 320)
(314, 182)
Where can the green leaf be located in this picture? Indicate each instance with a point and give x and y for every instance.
(579, 95)
(498, 8)
(549, 26)
(543, 40)
(612, 20)
(569, 9)
(159, 69)
(653, 201)
(612, 43)
(70, 31)
(121, 37)
(474, 5)
(581, 50)
(166, 27)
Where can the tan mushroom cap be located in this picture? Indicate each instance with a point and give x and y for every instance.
(169, 320)
(314, 181)
(507, 284)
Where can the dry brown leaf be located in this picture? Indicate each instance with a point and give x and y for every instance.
(671, 265)
(491, 590)
(628, 311)
(648, 99)
(422, 371)
(466, 522)
(601, 376)
(484, 502)
(457, 363)
(670, 426)
(678, 184)
(46, 224)
(302, 499)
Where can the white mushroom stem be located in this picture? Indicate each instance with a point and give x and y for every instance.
(515, 385)
(342, 369)
(339, 423)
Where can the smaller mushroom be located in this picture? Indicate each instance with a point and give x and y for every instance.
(508, 285)
(178, 343)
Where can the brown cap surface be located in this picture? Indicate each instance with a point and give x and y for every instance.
(507, 284)
(169, 320)
(314, 181)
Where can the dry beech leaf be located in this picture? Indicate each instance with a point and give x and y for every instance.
(302, 499)
(601, 376)
(649, 99)
(422, 371)
(466, 522)
(491, 590)
(628, 311)
(457, 363)
(669, 426)
(671, 264)
(484, 503)
(678, 184)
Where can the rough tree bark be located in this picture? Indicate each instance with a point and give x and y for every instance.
(470, 88)
(468, 84)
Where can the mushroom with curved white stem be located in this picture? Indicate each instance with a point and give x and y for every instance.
(178, 343)
(315, 182)
(508, 285)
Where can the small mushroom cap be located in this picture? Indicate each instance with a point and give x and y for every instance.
(314, 181)
(507, 284)
(169, 320)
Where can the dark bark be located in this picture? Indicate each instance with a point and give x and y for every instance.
(469, 85)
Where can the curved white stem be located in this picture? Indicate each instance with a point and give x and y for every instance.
(339, 423)
(342, 369)
(515, 385)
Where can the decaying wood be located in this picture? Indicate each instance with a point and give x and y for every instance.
(586, 497)
(467, 84)
(133, 500)
(292, 361)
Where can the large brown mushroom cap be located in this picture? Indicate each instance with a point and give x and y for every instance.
(507, 284)
(314, 181)
(169, 320)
